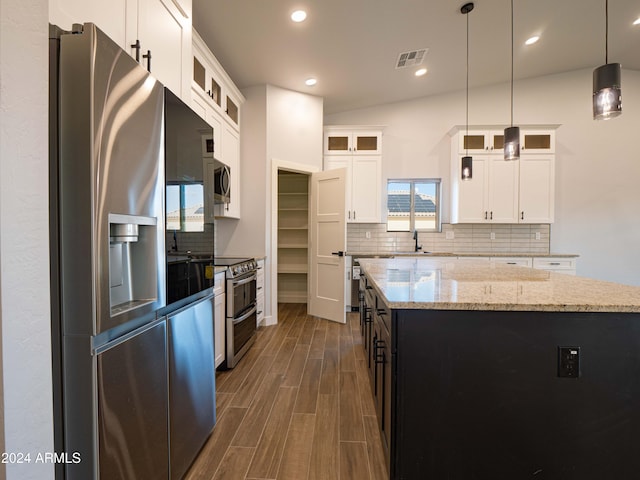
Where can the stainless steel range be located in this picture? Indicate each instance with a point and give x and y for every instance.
(241, 306)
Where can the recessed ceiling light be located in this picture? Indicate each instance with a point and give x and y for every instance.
(310, 82)
(637, 22)
(299, 16)
(532, 40)
(420, 72)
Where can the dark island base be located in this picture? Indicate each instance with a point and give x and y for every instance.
(478, 396)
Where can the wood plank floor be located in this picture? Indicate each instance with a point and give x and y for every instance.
(297, 406)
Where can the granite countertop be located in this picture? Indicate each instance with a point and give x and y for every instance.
(452, 284)
(465, 254)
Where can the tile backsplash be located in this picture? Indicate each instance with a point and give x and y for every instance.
(459, 238)
(200, 242)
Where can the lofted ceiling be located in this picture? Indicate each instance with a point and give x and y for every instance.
(351, 46)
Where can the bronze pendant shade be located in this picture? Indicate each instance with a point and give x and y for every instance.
(607, 94)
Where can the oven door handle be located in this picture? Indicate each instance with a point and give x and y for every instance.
(251, 311)
(242, 281)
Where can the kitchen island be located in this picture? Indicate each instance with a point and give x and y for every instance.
(489, 371)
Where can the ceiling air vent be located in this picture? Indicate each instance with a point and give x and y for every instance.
(412, 58)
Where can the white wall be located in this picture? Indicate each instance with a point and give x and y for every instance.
(24, 235)
(276, 124)
(294, 121)
(597, 164)
(247, 236)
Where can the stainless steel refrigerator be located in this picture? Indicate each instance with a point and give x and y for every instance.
(108, 260)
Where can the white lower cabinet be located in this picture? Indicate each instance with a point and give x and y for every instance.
(260, 292)
(552, 264)
(556, 264)
(219, 330)
(521, 261)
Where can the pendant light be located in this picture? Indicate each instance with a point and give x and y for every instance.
(607, 93)
(512, 134)
(467, 161)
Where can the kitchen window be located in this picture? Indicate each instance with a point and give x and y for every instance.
(413, 204)
(185, 207)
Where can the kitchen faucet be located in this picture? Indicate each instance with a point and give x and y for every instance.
(415, 237)
(174, 247)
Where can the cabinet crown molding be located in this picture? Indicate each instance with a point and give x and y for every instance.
(354, 128)
(460, 128)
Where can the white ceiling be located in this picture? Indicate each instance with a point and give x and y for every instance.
(351, 46)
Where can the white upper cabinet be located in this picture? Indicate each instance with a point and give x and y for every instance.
(163, 29)
(488, 141)
(520, 191)
(231, 157)
(338, 141)
(491, 196)
(110, 17)
(537, 141)
(359, 151)
(156, 32)
(217, 100)
(537, 186)
(212, 85)
(366, 188)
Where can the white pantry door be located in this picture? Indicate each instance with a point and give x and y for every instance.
(328, 243)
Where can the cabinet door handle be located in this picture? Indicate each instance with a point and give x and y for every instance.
(491, 216)
(148, 57)
(349, 213)
(354, 214)
(379, 357)
(485, 215)
(522, 215)
(381, 311)
(136, 46)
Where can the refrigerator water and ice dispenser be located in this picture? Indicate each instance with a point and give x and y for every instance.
(133, 268)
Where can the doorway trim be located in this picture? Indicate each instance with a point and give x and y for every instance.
(277, 165)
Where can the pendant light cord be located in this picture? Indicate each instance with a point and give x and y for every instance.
(606, 32)
(512, 63)
(467, 103)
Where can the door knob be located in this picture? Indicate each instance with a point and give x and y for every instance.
(339, 253)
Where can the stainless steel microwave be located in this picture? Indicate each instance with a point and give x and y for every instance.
(221, 182)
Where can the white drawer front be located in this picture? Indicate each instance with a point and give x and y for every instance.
(550, 263)
(219, 283)
(259, 308)
(521, 261)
